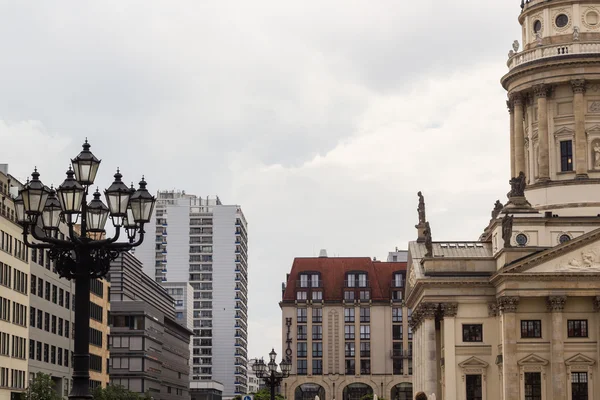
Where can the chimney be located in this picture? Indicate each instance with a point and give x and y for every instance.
(323, 253)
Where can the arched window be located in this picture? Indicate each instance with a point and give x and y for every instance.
(308, 391)
(355, 391)
(402, 391)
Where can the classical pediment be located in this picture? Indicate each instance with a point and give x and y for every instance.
(580, 359)
(593, 130)
(564, 131)
(473, 362)
(532, 359)
(578, 256)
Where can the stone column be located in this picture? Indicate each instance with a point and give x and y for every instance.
(581, 165)
(430, 361)
(511, 109)
(449, 311)
(556, 304)
(510, 370)
(519, 134)
(541, 94)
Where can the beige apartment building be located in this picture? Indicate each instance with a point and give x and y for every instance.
(14, 299)
(516, 314)
(345, 329)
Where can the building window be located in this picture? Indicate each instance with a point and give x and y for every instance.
(365, 367)
(365, 349)
(398, 366)
(577, 328)
(47, 322)
(473, 333)
(348, 314)
(317, 315)
(365, 295)
(356, 279)
(579, 386)
(350, 367)
(533, 386)
(302, 349)
(317, 367)
(566, 155)
(398, 280)
(317, 349)
(531, 329)
(349, 349)
(396, 314)
(365, 332)
(410, 333)
(396, 332)
(301, 295)
(46, 352)
(349, 295)
(317, 332)
(365, 314)
(474, 389)
(317, 295)
(47, 293)
(301, 312)
(302, 367)
(349, 332)
(302, 332)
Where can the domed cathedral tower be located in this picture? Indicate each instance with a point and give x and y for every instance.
(553, 88)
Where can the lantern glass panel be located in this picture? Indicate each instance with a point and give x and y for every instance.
(96, 220)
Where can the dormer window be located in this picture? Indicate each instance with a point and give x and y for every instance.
(312, 280)
(356, 279)
(398, 281)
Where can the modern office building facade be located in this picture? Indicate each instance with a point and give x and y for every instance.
(204, 242)
(149, 349)
(345, 329)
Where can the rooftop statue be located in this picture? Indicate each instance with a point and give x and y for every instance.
(517, 186)
(421, 209)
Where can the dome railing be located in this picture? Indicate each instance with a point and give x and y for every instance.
(556, 50)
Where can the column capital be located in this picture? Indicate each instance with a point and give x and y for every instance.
(492, 309)
(597, 303)
(449, 310)
(510, 104)
(541, 91)
(429, 310)
(556, 303)
(516, 98)
(508, 304)
(578, 85)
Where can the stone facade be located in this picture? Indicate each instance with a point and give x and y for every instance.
(514, 315)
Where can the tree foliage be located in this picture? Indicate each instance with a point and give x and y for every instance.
(117, 392)
(41, 388)
(265, 394)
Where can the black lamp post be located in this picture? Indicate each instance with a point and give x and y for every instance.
(269, 374)
(87, 254)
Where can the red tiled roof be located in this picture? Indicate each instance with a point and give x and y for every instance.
(333, 272)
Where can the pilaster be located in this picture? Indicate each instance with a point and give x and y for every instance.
(541, 93)
(581, 165)
(519, 135)
(556, 305)
(507, 306)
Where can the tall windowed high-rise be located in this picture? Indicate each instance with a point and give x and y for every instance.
(204, 242)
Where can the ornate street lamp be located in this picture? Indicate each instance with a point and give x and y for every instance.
(86, 254)
(269, 374)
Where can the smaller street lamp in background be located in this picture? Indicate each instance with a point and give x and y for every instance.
(269, 374)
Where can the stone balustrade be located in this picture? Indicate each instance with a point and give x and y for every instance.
(541, 52)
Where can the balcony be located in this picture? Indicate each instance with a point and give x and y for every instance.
(356, 284)
(401, 353)
(544, 52)
(309, 284)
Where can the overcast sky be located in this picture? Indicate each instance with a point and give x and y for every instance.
(322, 119)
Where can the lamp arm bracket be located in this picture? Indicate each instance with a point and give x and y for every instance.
(50, 240)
